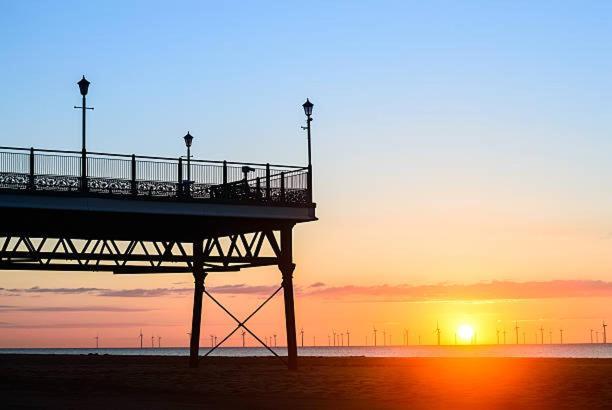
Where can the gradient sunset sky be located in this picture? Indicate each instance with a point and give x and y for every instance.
(461, 157)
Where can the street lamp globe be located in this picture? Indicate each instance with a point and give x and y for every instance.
(307, 107)
(188, 139)
(83, 86)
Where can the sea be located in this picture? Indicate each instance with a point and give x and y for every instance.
(588, 350)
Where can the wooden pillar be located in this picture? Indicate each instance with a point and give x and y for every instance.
(287, 267)
(198, 275)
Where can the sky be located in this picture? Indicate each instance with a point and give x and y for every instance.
(454, 144)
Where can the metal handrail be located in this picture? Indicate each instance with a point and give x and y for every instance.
(119, 174)
(108, 154)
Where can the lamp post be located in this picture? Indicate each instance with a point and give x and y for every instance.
(308, 111)
(188, 141)
(83, 88)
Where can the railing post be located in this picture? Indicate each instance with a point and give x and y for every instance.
(179, 190)
(134, 187)
(31, 182)
(225, 195)
(309, 184)
(84, 187)
(282, 187)
(267, 181)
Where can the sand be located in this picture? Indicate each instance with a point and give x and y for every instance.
(55, 381)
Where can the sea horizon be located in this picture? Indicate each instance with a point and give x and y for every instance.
(576, 350)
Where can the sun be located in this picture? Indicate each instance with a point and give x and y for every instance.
(465, 332)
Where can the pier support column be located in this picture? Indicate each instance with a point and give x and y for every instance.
(198, 275)
(287, 267)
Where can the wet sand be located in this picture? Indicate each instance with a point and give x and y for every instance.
(55, 381)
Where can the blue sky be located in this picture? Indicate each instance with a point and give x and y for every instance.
(454, 142)
(472, 109)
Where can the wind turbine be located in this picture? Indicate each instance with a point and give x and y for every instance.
(302, 333)
(375, 336)
(504, 332)
(591, 335)
(152, 341)
(438, 332)
(603, 324)
(159, 341)
(516, 329)
(550, 336)
(334, 332)
(497, 331)
(97, 339)
(542, 333)
(274, 340)
(561, 331)
(212, 341)
(407, 334)
(384, 337)
(243, 342)
(342, 339)
(140, 338)
(348, 338)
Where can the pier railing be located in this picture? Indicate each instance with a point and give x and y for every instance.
(95, 173)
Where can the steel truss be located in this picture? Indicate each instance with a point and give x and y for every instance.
(220, 254)
(213, 254)
(242, 324)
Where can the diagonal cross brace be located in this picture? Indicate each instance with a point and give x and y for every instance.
(242, 324)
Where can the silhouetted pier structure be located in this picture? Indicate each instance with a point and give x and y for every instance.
(130, 214)
(137, 214)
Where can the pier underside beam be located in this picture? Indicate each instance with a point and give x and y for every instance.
(219, 254)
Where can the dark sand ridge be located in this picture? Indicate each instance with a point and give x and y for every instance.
(118, 382)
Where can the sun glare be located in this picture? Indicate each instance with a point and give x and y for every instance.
(465, 332)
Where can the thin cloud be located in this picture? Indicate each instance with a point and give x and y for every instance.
(144, 293)
(243, 289)
(63, 291)
(442, 292)
(10, 308)
(98, 325)
(237, 289)
(496, 290)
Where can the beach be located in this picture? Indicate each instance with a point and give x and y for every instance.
(154, 382)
